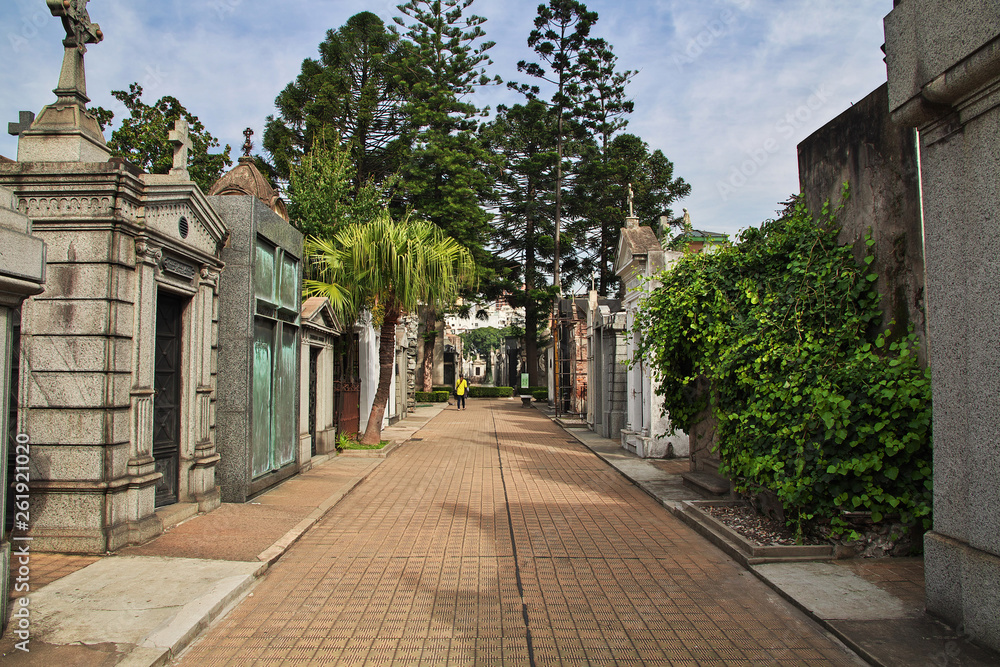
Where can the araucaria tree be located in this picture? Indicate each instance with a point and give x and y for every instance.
(444, 179)
(560, 38)
(387, 267)
(351, 92)
(523, 139)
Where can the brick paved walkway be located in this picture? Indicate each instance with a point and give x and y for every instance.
(497, 539)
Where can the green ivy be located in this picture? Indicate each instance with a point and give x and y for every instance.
(815, 403)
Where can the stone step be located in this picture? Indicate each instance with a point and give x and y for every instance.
(715, 485)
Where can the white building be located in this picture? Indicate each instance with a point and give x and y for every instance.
(647, 429)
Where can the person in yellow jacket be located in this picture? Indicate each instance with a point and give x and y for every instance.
(461, 389)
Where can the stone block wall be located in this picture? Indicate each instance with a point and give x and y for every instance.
(877, 158)
(943, 62)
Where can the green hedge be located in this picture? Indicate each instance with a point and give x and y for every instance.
(432, 396)
(541, 394)
(525, 391)
(490, 392)
(444, 388)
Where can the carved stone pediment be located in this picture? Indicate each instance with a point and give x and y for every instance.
(178, 213)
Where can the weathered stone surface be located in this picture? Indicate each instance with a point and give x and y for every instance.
(944, 66)
(877, 158)
(247, 218)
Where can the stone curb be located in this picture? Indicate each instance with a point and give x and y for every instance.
(276, 550)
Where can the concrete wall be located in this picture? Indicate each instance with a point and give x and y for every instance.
(878, 160)
(943, 61)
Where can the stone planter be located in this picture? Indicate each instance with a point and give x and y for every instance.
(739, 547)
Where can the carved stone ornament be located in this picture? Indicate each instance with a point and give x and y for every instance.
(210, 275)
(146, 253)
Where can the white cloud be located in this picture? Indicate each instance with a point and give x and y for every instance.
(716, 78)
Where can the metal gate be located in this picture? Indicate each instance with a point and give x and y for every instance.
(167, 401)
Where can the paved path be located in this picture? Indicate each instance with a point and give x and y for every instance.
(497, 539)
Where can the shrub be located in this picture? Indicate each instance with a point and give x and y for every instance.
(523, 391)
(443, 388)
(541, 394)
(432, 396)
(490, 392)
(815, 403)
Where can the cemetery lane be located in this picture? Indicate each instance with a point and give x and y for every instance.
(494, 538)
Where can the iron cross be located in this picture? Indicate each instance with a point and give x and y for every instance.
(80, 31)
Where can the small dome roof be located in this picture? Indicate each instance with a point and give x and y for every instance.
(246, 179)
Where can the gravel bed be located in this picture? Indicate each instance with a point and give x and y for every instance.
(759, 529)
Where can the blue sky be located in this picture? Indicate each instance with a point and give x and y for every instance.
(725, 88)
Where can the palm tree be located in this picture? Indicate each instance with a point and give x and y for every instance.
(387, 267)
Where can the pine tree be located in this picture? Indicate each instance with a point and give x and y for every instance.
(351, 92)
(560, 38)
(600, 199)
(445, 179)
(524, 139)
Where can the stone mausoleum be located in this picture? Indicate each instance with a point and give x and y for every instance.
(259, 338)
(943, 61)
(117, 360)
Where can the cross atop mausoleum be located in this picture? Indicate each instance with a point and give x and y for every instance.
(64, 131)
(247, 145)
(181, 140)
(24, 121)
(80, 31)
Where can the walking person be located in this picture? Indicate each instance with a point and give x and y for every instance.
(461, 389)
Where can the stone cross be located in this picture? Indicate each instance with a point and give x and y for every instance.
(80, 31)
(247, 145)
(182, 144)
(25, 119)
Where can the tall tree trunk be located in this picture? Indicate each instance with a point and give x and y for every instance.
(386, 359)
(530, 310)
(531, 344)
(430, 338)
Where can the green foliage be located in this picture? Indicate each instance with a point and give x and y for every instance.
(528, 390)
(482, 341)
(445, 175)
(540, 395)
(477, 391)
(142, 138)
(433, 396)
(323, 197)
(345, 441)
(386, 265)
(352, 90)
(814, 402)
